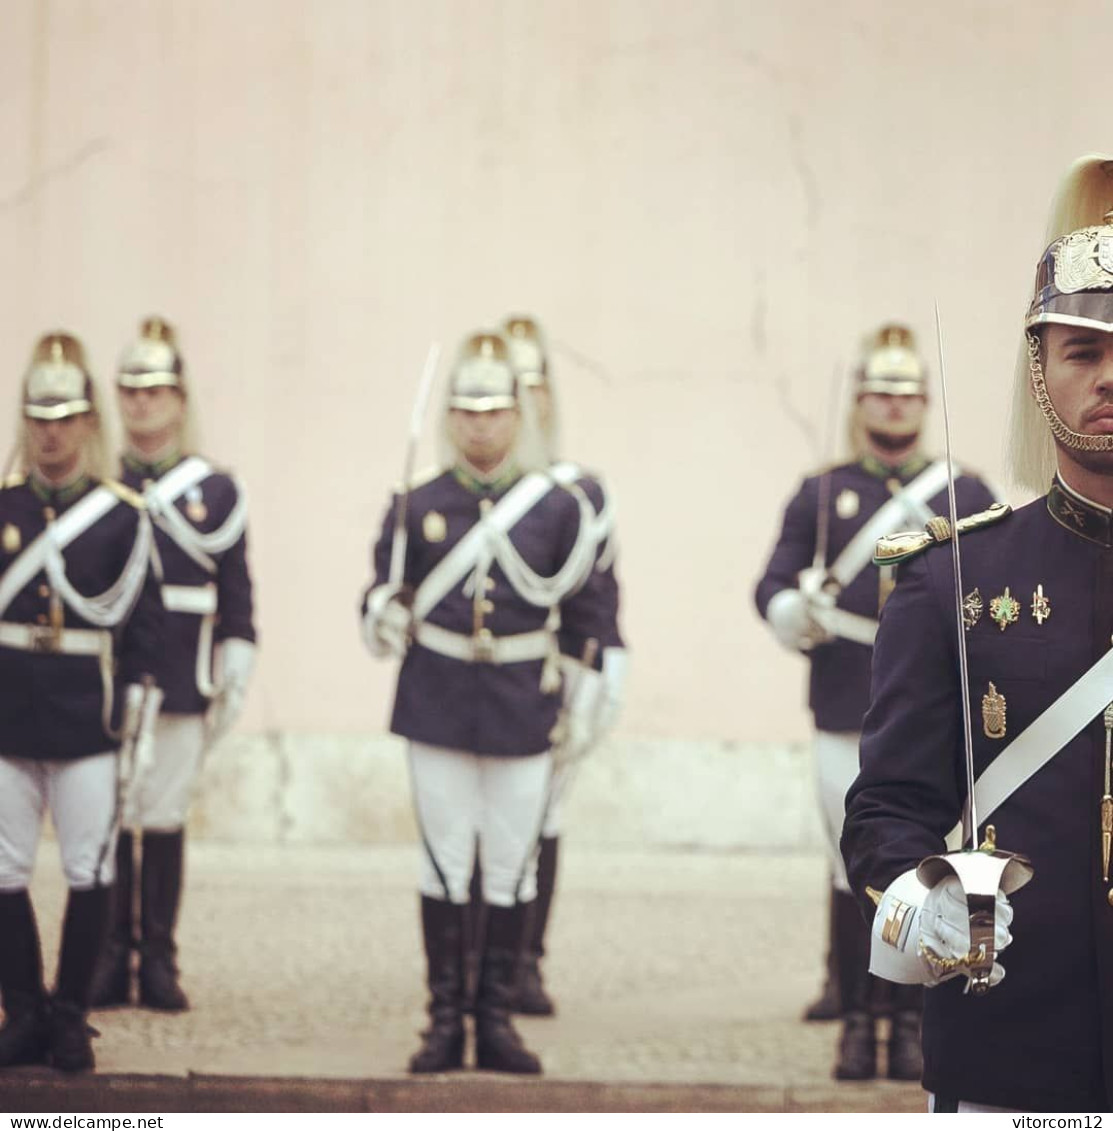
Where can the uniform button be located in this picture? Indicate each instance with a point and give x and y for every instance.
(893, 485)
(484, 506)
(488, 606)
(486, 635)
(50, 514)
(44, 590)
(489, 584)
(1110, 897)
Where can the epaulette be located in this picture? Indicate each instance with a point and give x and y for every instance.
(16, 479)
(122, 491)
(897, 548)
(420, 479)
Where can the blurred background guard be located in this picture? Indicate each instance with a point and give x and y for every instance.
(529, 357)
(1045, 572)
(200, 553)
(80, 633)
(821, 595)
(476, 569)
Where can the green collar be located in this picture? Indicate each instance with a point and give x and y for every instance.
(1078, 515)
(911, 467)
(58, 497)
(480, 486)
(154, 470)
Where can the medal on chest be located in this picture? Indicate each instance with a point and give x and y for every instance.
(847, 503)
(434, 528)
(195, 508)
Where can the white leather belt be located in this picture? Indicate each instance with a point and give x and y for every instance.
(484, 647)
(65, 641)
(197, 599)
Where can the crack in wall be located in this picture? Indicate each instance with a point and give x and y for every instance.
(35, 186)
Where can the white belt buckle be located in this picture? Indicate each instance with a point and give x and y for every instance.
(45, 638)
(483, 646)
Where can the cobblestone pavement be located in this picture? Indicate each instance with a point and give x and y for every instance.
(681, 969)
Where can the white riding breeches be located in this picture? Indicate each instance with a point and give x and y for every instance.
(836, 767)
(162, 795)
(80, 795)
(459, 797)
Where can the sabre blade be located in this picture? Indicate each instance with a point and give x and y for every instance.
(964, 679)
(417, 419)
(823, 518)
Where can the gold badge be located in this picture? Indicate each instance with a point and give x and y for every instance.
(11, 539)
(434, 527)
(846, 505)
(993, 713)
(1004, 610)
(1041, 606)
(971, 609)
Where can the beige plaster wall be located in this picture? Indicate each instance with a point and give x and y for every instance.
(706, 202)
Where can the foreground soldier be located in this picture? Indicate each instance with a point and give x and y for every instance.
(1037, 610)
(529, 357)
(200, 517)
(76, 601)
(820, 595)
(494, 553)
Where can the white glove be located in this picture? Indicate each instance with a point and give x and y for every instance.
(945, 930)
(233, 664)
(142, 703)
(911, 918)
(388, 622)
(616, 664)
(789, 614)
(577, 729)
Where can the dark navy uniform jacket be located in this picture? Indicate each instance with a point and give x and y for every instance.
(211, 504)
(604, 581)
(1043, 1038)
(478, 707)
(52, 704)
(839, 686)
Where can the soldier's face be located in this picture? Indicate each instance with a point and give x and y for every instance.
(1078, 371)
(56, 445)
(147, 412)
(886, 415)
(484, 439)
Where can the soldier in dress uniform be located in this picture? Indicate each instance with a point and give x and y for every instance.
(530, 359)
(80, 629)
(480, 586)
(200, 553)
(1037, 616)
(821, 595)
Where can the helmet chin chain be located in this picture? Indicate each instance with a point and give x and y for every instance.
(1076, 441)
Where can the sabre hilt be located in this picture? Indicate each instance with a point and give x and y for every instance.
(982, 872)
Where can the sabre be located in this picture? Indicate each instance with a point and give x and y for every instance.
(823, 518)
(967, 727)
(982, 868)
(417, 418)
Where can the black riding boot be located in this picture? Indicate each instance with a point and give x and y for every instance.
(906, 1058)
(112, 980)
(828, 1006)
(530, 996)
(497, 1044)
(83, 934)
(857, 1056)
(25, 1035)
(443, 926)
(160, 891)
